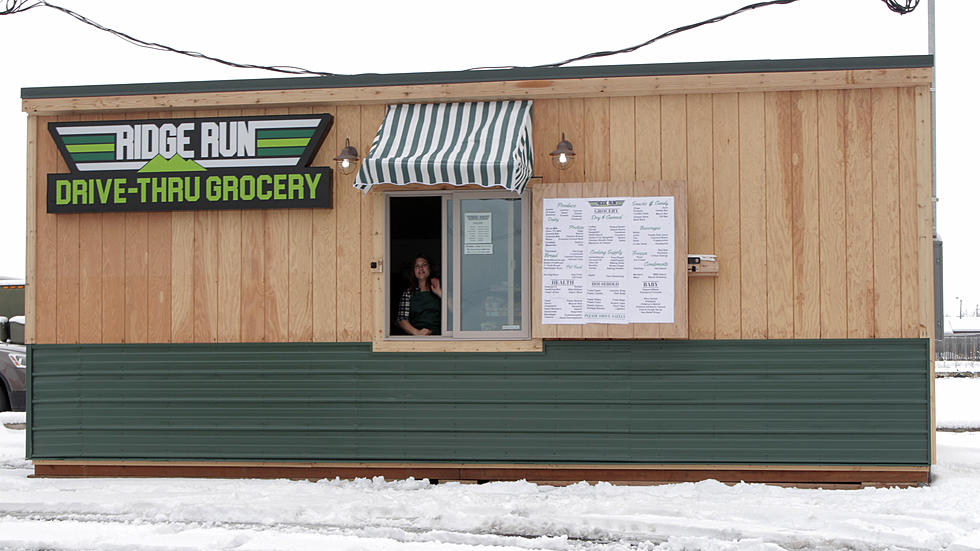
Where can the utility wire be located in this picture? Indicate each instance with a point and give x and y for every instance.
(893, 5)
(901, 7)
(671, 32)
(21, 6)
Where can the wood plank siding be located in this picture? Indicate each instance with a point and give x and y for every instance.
(815, 199)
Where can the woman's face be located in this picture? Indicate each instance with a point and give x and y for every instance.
(422, 269)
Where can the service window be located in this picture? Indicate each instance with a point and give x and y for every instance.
(477, 244)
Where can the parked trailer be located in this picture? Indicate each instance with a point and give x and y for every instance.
(209, 297)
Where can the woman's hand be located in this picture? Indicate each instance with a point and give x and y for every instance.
(411, 330)
(436, 286)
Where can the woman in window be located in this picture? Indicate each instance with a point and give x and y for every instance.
(420, 308)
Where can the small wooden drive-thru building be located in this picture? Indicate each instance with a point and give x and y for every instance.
(649, 273)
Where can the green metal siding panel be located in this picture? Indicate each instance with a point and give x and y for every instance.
(766, 402)
(28, 444)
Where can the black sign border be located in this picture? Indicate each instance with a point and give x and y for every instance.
(324, 196)
(326, 123)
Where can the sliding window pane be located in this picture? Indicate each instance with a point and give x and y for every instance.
(490, 265)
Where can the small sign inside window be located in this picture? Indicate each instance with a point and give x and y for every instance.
(477, 228)
(478, 248)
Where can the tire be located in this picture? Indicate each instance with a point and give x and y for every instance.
(4, 401)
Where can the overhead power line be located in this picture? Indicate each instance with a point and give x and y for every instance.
(21, 6)
(901, 7)
(671, 32)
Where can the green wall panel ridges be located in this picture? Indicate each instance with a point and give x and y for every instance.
(760, 402)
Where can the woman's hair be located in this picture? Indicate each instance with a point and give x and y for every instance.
(432, 269)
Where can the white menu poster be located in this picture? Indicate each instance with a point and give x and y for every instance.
(608, 260)
(562, 262)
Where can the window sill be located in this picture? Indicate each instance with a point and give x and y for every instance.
(438, 344)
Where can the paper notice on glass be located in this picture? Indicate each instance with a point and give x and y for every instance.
(562, 262)
(477, 228)
(477, 248)
(606, 259)
(651, 285)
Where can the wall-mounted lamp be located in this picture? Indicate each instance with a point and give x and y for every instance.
(563, 156)
(347, 160)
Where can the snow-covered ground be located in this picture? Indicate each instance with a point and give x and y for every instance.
(124, 514)
(958, 404)
(957, 368)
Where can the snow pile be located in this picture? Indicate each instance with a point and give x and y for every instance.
(958, 368)
(12, 447)
(123, 514)
(958, 403)
(13, 417)
(413, 514)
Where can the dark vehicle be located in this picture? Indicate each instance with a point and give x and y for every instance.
(13, 364)
(11, 297)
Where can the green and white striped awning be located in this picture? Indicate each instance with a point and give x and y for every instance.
(482, 143)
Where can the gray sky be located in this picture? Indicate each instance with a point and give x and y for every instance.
(44, 47)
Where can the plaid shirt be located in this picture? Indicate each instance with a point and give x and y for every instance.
(405, 304)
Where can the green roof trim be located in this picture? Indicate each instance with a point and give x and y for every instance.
(493, 75)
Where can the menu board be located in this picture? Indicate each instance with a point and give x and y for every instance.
(608, 260)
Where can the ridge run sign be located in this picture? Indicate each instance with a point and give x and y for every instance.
(190, 164)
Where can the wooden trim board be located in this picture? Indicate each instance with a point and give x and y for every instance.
(30, 291)
(457, 345)
(840, 475)
(518, 89)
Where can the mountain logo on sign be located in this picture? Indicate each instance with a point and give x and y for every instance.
(174, 164)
